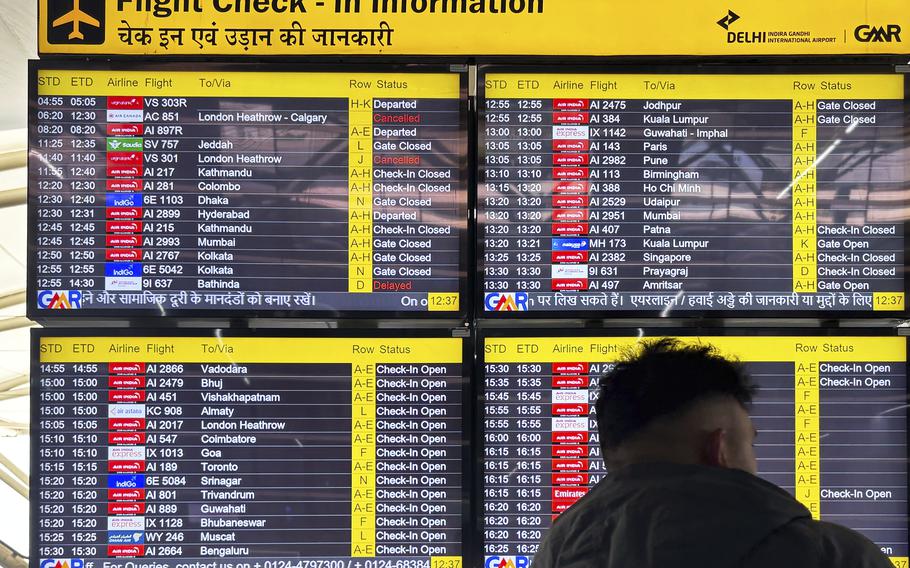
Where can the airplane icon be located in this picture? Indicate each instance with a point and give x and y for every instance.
(76, 16)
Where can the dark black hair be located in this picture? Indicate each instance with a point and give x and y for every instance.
(661, 378)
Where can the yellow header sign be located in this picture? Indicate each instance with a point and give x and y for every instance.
(472, 27)
(246, 84)
(249, 350)
(692, 87)
(746, 349)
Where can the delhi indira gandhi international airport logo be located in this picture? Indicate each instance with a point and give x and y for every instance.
(728, 19)
(75, 22)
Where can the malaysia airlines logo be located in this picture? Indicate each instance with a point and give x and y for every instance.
(570, 243)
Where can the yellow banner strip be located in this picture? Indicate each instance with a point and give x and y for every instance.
(747, 349)
(255, 84)
(523, 28)
(672, 86)
(249, 350)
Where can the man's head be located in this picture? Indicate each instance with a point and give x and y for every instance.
(677, 403)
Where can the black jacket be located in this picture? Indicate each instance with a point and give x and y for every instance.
(673, 516)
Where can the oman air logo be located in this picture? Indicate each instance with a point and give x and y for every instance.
(866, 33)
(727, 20)
(75, 21)
(506, 302)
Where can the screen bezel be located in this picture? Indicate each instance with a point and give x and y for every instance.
(643, 332)
(467, 403)
(763, 67)
(463, 193)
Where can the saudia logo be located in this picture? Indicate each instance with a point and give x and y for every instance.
(866, 33)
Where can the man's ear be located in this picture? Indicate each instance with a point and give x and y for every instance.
(713, 451)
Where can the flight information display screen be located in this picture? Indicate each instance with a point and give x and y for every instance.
(157, 191)
(221, 452)
(831, 413)
(699, 193)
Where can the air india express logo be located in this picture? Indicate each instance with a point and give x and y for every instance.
(506, 302)
(75, 22)
(506, 562)
(60, 300)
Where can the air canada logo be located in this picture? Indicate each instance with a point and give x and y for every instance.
(75, 21)
(728, 19)
(877, 34)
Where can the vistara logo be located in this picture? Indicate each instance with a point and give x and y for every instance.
(866, 33)
(75, 21)
(728, 19)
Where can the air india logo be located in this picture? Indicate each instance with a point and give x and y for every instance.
(75, 21)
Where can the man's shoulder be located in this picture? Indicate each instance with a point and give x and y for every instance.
(579, 524)
(846, 547)
(806, 542)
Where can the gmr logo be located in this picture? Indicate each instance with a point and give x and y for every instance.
(506, 302)
(62, 563)
(60, 300)
(506, 562)
(866, 33)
